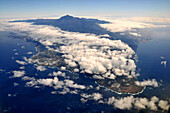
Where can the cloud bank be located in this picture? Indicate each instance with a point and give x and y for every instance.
(93, 54)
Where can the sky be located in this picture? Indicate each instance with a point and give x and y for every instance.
(127, 8)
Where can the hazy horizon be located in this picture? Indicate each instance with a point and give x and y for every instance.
(125, 8)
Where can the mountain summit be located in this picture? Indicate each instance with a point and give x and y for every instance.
(72, 24)
(67, 17)
(82, 25)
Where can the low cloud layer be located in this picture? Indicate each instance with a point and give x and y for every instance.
(147, 19)
(94, 55)
(118, 25)
(128, 24)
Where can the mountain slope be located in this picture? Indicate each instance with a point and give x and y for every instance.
(73, 24)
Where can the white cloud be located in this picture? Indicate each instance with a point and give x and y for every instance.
(70, 63)
(94, 55)
(164, 63)
(97, 77)
(28, 78)
(135, 34)
(97, 96)
(21, 62)
(22, 67)
(162, 57)
(139, 103)
(58, 73)
(47, 82)
(164, 105)
(16, 53)
(15, 50)
(118, 25)
(71, 83)
(18, 73)
(148, 82)
(127, 24)
(16, 84)
(40, 68)
(154, 99)
(29, 53)
(76, 70)
(124, 103)
(147, 19)
(63, 68)
(93, 96)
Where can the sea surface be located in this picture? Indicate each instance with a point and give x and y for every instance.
(21, 99)
(150, 55)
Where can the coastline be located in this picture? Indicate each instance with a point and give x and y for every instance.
(122, 92)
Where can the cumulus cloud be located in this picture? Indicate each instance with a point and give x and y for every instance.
(16, 53)
(76, 70)
(152, 82)
(91, 53)
(16, 84)
(164, 63)
(143, 103)
(139, 103)
(124, 103)
(29, 53)
(93, 96)
(63, 68)
(40, 68)
(22, 67)
(18, 73)
(71, 83)
(164, 105)
(128, 102)
(28, 78)
(21, 62)
(67, 86)
(58, 73)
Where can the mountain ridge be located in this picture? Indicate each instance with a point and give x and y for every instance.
(73, 24)
(82, 25)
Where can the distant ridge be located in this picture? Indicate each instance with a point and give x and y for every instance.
(82, 25)
(73, 24)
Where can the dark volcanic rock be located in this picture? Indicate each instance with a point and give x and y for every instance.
(73, 24)
(83, 25)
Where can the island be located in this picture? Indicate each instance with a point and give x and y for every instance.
(121, 85)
